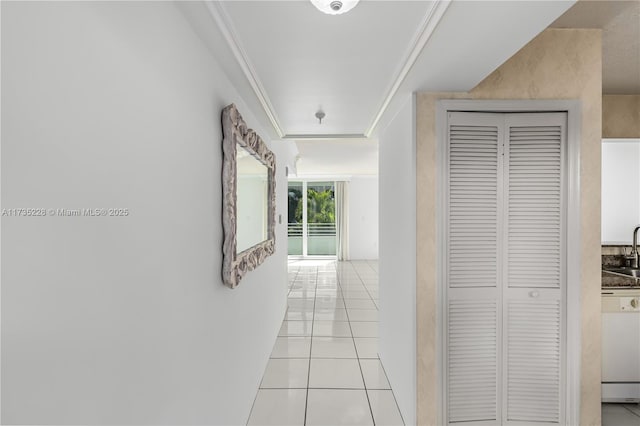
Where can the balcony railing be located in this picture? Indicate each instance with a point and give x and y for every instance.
(294, 229)
(321, 239)
(313, 229)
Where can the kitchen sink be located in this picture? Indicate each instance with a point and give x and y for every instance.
(632, 272)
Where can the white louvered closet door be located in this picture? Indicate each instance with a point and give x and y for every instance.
(473, 267)
(504, 268)
(535, 268)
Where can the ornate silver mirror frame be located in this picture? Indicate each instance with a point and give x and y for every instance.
(235, 132)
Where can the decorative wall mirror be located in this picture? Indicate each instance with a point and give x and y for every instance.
(249, 198)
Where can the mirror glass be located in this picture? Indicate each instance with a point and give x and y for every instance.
(252, 200)
(620, 190)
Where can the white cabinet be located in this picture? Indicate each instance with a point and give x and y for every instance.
(620, 189)
(621, 345)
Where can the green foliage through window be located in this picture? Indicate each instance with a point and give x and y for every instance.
(321, 206)
(294, 212)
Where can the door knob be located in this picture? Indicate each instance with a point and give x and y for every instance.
(534, 294)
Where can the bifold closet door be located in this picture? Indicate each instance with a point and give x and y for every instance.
(533, 321)
(473, 276)
(504, 268)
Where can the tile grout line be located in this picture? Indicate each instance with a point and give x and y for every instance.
(630, 410)
(331, 388)
(392, 392)
(366, 288)
(364, 384)
(256, 397)
(270, 358)
(323, 357)
(380, 362)
(329, 274)
(313, 320)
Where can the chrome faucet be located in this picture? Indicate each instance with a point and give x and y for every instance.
(634, 257)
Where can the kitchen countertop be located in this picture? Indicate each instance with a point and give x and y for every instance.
(611, 280)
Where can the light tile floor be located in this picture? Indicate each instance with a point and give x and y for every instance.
(324, 369)
(620, 414)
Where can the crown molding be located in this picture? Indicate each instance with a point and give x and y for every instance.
(221, 17)
(425, 30)
(328, 136)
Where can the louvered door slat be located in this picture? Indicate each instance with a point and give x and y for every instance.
(473, 195)
(472, 361)
(533, 360)
(532, 150)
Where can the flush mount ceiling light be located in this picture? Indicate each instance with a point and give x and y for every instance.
(334, 7)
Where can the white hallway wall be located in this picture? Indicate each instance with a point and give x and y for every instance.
(123, 320)
(363, 217)
(397, 267)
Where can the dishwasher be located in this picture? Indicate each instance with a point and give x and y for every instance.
(621, 345)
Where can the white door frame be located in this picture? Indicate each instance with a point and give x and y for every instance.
(573, 247)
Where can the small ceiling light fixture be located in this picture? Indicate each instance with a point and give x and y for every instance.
(334, 7)
(320, 115)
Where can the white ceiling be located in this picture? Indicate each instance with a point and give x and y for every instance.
(287, 60)
(337, 157)
(307, 60)
(620, 24)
